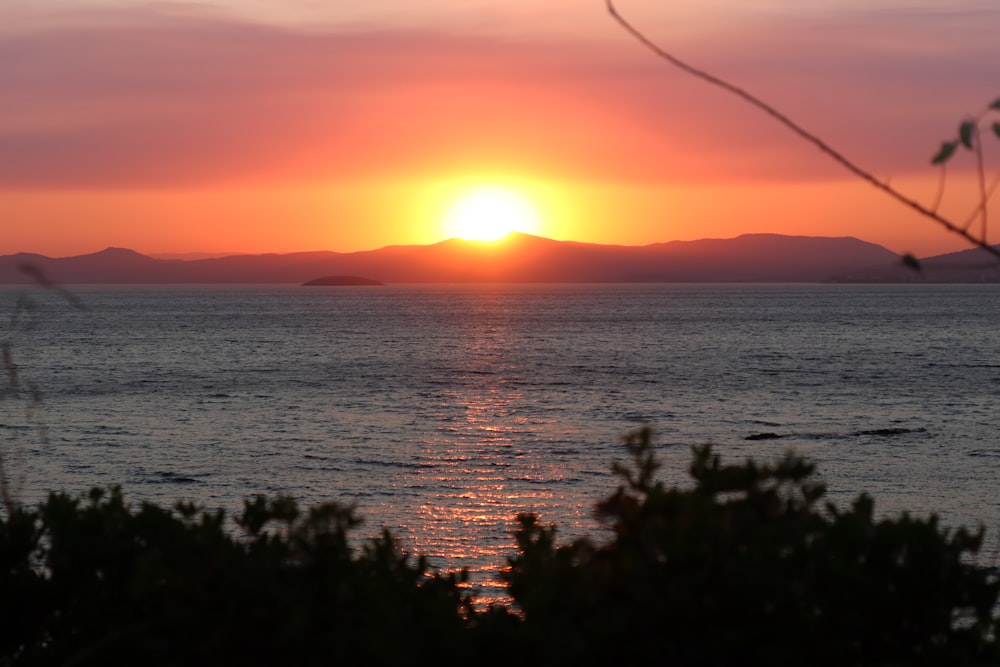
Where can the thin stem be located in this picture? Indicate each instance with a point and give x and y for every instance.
(983, 208)
(984, 200)
(939, 195)
(802, 133)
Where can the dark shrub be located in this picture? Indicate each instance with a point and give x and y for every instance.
(100, 582)
(748, 568)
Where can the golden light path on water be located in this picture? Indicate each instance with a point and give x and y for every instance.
(475, 492)
(478, 475)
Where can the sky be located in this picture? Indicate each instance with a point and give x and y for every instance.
(295, 125)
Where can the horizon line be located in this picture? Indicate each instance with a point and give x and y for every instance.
(205, 255)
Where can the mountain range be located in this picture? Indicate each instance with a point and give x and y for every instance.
(523, 258)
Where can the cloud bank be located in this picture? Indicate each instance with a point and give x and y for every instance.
(128, 100)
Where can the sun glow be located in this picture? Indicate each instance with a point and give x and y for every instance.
(490, 213)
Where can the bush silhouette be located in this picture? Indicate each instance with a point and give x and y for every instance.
(100, 582)
(745, 567)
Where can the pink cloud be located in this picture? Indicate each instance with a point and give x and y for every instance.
(193, 102)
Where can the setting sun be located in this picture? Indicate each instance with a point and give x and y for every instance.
(490, 213)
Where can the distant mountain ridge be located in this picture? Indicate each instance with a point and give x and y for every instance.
(522, 258)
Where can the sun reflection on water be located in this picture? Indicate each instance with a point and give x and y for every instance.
(477, 477)
(478, 457)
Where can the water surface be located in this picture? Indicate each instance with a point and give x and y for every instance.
(443, 411)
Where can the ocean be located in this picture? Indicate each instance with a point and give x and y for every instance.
(442, 411)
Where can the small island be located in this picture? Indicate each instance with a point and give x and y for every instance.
(351, 281)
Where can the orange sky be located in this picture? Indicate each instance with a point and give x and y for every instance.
(278, 127)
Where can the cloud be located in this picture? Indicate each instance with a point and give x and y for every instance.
(153, 101)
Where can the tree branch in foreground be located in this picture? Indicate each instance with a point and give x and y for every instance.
(804, 134)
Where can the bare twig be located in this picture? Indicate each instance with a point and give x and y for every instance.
(11, 388)
(809, 137)
(990, 191)
(939, 195)
(18, 389)
(981, 171)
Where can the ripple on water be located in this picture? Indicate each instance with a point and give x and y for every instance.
(444, 411)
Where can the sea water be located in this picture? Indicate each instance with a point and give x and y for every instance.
(444, 411)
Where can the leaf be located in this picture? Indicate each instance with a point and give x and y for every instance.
(965, 131)
(996, 129)
(911, 262)
(996, 104)
(947, 150)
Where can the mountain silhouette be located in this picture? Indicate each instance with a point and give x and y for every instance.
(522, 258)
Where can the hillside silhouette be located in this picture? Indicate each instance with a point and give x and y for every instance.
(522, 258)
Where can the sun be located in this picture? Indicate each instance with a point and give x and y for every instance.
(490, 213)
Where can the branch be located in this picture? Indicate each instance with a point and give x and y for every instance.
(981, 172)
(984, 199)
(803, 134)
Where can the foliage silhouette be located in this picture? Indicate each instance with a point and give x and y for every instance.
(100, 581)
(746, 567)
